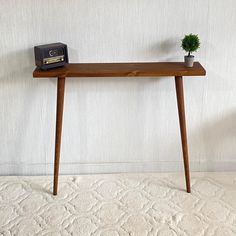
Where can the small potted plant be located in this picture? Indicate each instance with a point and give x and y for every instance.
(190, 44)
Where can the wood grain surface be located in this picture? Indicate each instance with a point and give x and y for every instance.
(123, 69)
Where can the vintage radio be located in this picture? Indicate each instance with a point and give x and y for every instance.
(51, 55)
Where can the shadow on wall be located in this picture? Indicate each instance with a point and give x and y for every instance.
(166, 50)
(220, 140)
(22, 96)
(211, 147)
(17, 66)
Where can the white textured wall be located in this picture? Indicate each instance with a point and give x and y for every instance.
(117, 124)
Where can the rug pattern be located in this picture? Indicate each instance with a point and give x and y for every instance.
(119, 205)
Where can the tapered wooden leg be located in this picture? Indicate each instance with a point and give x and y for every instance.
(59, 116)
(182, 123)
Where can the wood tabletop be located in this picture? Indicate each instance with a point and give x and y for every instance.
(143, 69)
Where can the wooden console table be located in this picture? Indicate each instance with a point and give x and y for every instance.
(144, 69)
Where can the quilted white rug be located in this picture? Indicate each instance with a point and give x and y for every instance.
(119, 205)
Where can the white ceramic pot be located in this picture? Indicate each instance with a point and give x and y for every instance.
(189, 60)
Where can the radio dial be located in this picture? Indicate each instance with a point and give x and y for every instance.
(51, 53)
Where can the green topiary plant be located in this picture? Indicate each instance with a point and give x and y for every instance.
(190, 44)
